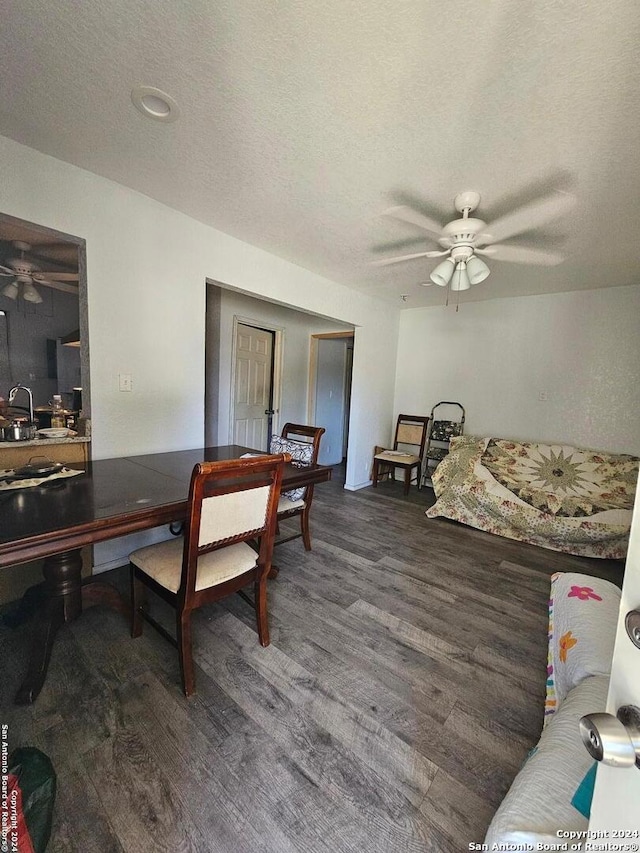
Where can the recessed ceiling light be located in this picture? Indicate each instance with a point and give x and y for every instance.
(155, 103)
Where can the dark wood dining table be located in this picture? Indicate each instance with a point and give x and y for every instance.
(111, 498)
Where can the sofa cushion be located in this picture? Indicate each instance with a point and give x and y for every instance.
(583, 617)
(539, 802)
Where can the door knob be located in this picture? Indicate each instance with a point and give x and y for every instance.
(632, 624)
(613, 740)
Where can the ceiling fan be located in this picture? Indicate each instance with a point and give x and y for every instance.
(27, 273)
(464, 239)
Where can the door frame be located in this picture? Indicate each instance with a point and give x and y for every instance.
(276, 369)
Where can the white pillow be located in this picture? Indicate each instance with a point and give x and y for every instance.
(583, 617)
(538, 803)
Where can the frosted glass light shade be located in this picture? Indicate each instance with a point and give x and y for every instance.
(30, 294)
(10, 290)
(460, 280)
(477, 270)
(441, 275)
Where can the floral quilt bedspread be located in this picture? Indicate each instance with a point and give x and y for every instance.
(560, 497)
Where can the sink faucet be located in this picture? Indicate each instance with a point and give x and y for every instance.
(13, 393)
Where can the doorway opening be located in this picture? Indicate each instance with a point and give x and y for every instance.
(291, 329)
(44, 341)
(330, 380)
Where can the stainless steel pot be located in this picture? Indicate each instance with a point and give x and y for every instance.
(18, 431)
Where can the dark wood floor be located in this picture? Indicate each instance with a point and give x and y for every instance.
(402, 689)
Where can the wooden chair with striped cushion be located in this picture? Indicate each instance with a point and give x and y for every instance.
(227, 544)
(408, 450)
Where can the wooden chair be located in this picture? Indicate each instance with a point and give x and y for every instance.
(231, 504)
(303, 443)
(411, 433)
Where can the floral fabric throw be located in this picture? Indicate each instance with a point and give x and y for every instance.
(560, 497)
(563, 480)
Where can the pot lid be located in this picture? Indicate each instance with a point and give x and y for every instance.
(43, 468)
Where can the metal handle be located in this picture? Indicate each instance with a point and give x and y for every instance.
(269, 411)
(613, 740)
(632, 624)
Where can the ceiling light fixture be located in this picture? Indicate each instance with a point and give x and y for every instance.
(442, 273)
(10, 290)
(477, 270)
(30, 294)
(155, 104)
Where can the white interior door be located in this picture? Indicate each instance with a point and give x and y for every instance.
(616, 800)
(252, 386)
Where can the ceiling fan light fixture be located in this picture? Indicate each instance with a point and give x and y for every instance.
(460, 280)
(477, 270)
(10, 290)
(441, 275)
(30, 294)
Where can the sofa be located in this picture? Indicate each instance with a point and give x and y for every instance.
(552, 791)
(553, 495)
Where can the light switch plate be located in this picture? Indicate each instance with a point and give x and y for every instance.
(125, 382)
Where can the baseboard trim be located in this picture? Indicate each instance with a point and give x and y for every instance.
(358, 486)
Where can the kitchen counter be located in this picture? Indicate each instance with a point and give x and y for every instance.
(45, 442)
(14, 580)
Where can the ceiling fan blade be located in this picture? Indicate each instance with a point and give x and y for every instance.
(522, 255)
(528, 217)
(7, 270)
(8, 274)
(59, 276)
(387, 261)
(57, 285)
(408, 214)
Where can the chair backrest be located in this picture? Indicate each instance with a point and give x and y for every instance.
(412, 430)
(231, 501)
(303, 443)
(303, 434)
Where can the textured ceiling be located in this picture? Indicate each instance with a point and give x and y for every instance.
(302, 120)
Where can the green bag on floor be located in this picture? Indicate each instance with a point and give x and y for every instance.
(27, 801)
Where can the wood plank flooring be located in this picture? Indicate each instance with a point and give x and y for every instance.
(402, 689)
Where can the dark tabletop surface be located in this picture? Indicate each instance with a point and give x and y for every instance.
(140, 489)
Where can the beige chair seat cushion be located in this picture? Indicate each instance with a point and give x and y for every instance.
(397, 459)
(285, 504)
(163, 563)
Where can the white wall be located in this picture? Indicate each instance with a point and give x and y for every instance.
(297, 329)
(496, 357)
(147, 265)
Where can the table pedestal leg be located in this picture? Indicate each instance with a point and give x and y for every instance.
(64, 596)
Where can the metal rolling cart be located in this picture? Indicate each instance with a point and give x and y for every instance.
(440, 435)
